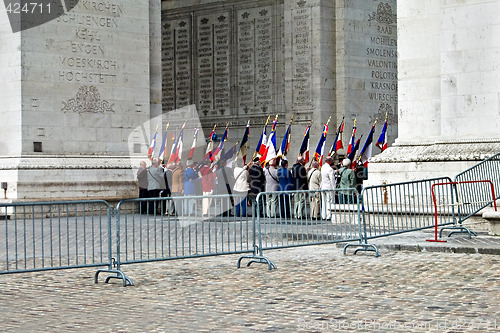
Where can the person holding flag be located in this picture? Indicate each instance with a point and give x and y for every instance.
(337, 143)
(382, 140)
(320, 149)
(304, 147)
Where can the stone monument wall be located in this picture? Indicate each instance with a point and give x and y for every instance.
(449, 83)
(81, 83)
(240, 60)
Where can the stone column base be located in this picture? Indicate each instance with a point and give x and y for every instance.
(68, 177)
(407, 162)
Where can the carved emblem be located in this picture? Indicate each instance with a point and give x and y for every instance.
(245, 15)
(88, 100)
(182, 24)
(263, 12)
(166, 26)
(384, 109)
(204, 20)
(384, 14)
(301, 3)
(221, 18)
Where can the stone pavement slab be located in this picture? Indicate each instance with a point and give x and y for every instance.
(314, 289)
(457, 243)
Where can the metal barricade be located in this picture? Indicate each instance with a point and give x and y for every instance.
(300, 218)
(475, 189)
(55, 235)
(392, 209)
(157, 229)
(474, 196)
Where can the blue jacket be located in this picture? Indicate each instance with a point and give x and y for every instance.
(190, 182)
(285, 179)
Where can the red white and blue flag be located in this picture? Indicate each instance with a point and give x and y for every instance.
(337, 143)
(218, 151)
(366, 152)
(262, 144)
(270, 152)
(163, 150)
(193, 146)
(285, 144)
(320, 149)
(382, 140)
(304, 147)
(354, 149)
(152, 146)
(210, 146)
(244, 143)
(176, 152)
(352, 142)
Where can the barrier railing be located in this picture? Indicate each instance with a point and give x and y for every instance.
(71, 234)
(158, 229)
(300, 218)
(55, 235)
(459, 204)
(473, 197)
(392, 209)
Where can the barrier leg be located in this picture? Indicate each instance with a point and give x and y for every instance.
(118, 275)
(257, 259)
(363, 247)
(458, 230)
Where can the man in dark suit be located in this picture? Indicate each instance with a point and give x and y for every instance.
(299, 174)
(257, 185)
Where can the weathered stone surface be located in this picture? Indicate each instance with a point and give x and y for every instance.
(449, 109)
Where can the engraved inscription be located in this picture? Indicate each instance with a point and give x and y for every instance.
(381, 59)
(182, 48)
(246, 62)
(213, 64)
(87, 61)
(168, 66)
(302, 62)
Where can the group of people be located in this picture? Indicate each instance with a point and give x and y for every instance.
(241, 185)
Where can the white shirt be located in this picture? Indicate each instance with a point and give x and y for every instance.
(328, 177)
(241, 180)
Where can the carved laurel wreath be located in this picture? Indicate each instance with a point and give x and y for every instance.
(384, 14)
(88, 100)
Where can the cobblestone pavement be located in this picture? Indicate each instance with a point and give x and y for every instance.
(314, 289)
